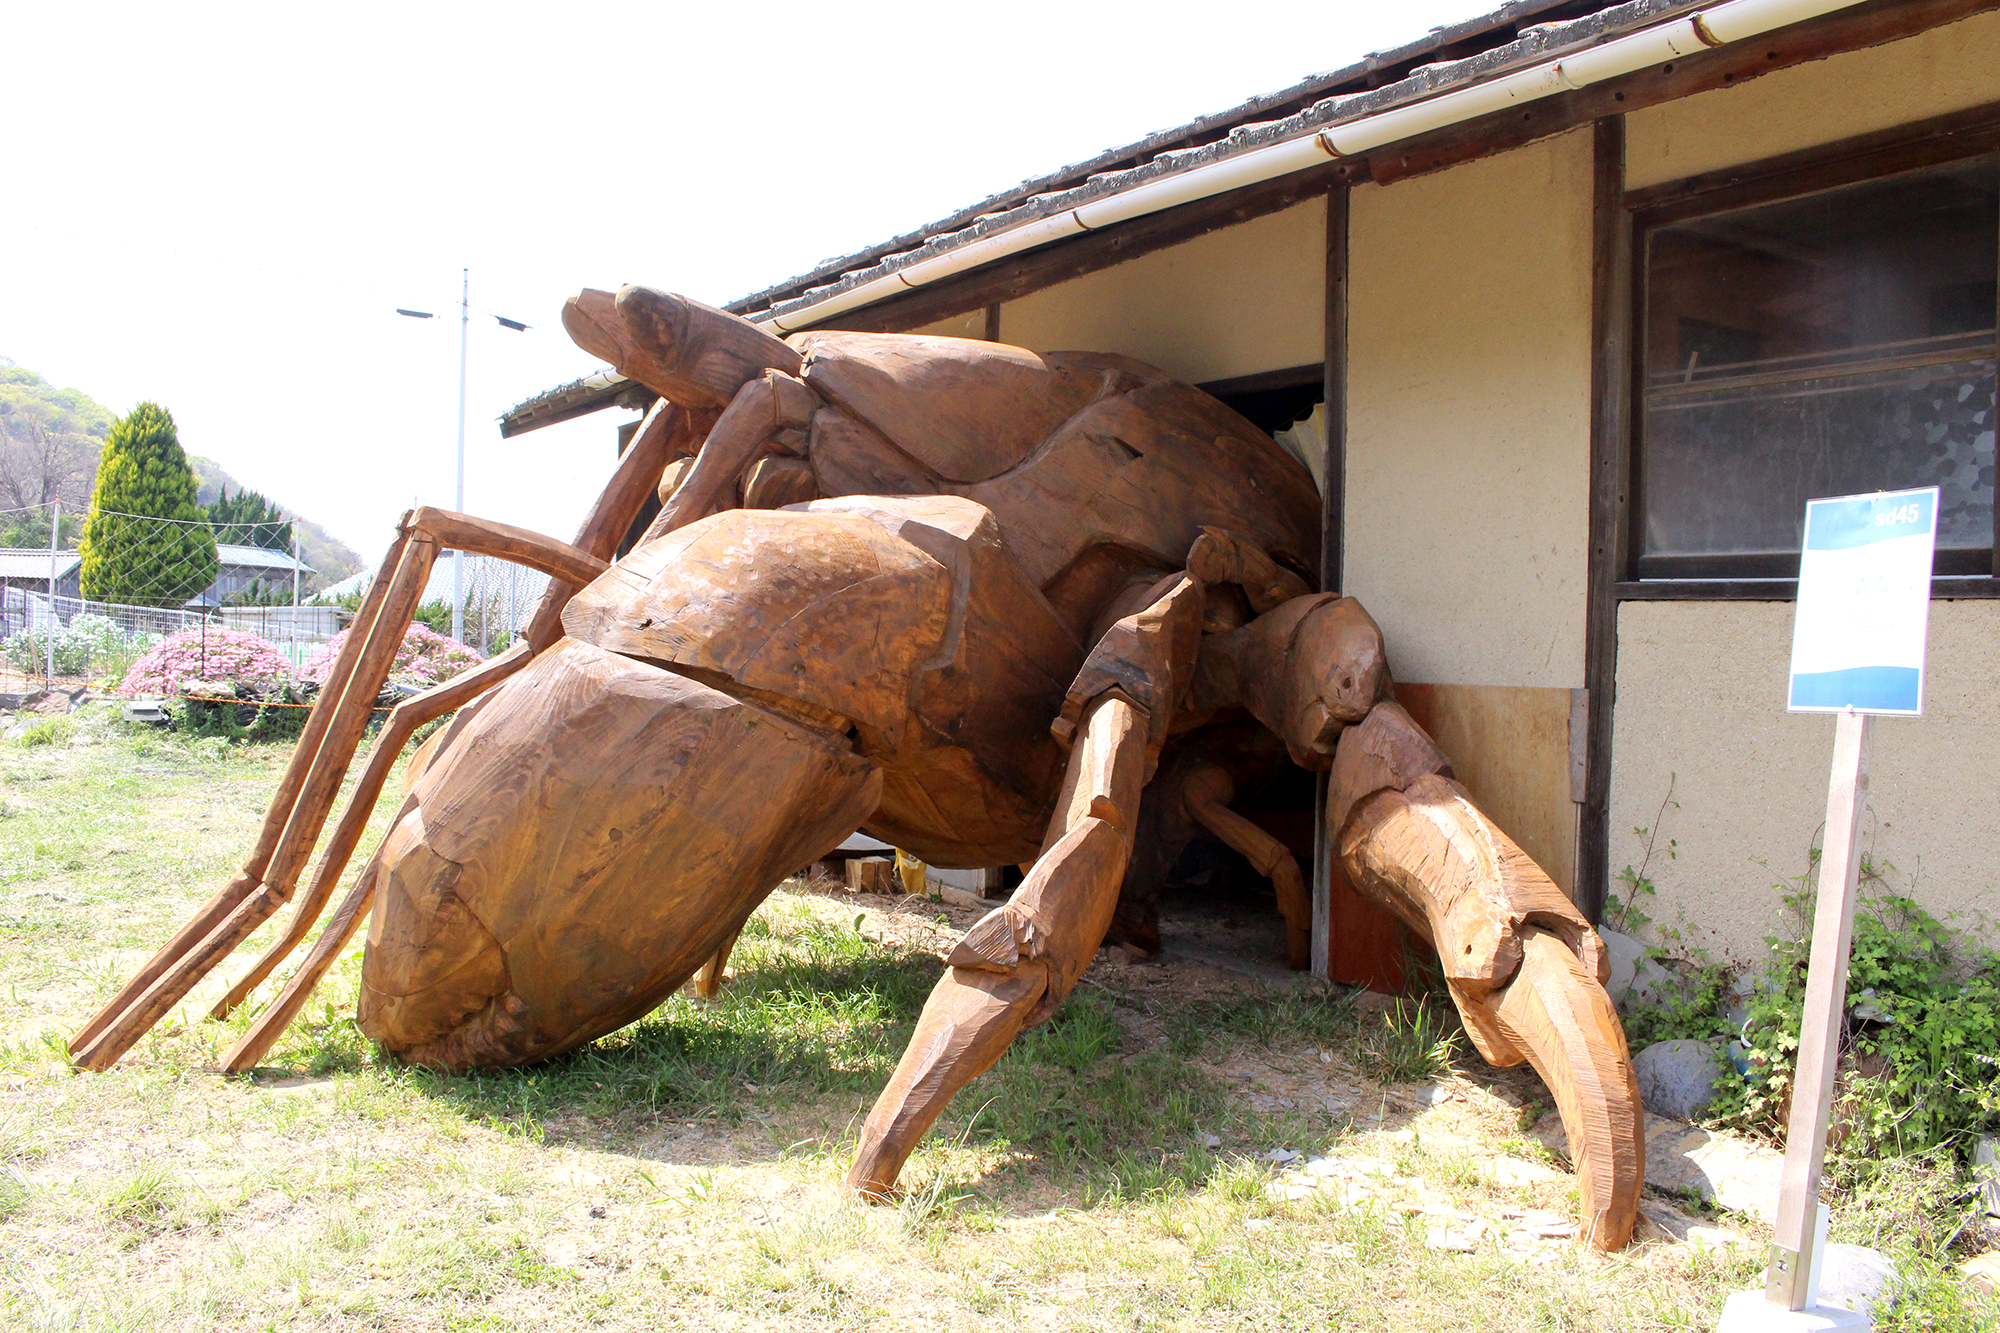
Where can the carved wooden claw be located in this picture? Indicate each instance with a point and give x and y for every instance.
(1523, 965)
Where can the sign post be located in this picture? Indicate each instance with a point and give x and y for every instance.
(1857, 650)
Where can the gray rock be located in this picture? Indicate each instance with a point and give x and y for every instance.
(1740, 1175)
(1635, 978)
(1854, 1277)
(1624, 953)
(1676, 1078)
(1986, 1170)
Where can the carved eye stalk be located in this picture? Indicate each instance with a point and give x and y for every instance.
(689, 353)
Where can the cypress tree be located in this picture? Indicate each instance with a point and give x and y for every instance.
(248, 518)
(129, 555)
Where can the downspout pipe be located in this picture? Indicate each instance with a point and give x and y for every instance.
(1732, 21)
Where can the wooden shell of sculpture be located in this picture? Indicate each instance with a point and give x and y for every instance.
(960, 595)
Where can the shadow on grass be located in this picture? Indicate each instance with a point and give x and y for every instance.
(818, 1010)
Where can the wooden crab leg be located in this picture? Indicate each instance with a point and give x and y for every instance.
(763, 409)
(708, 981)
(262, 1034)
(302, 826)
(665, 429)
(282, 803)
(343, 730)
(1018, 962)
(1206, 793)
(1523, 965)
(404, 719)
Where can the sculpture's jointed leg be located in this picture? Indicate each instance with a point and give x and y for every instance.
(403, 721)
(708, 981)
(263, 1033)
(305, 796)
(1207, 793)
(1017, 963)
(1522, 963)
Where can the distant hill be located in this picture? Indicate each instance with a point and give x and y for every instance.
(50, 440)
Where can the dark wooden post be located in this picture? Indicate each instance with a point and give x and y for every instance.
(1333, 496)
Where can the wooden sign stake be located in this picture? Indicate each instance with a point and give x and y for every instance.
(1792, 1284)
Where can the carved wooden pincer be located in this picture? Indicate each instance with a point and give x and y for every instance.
(959, 595)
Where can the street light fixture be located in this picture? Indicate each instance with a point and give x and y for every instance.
(464, 323)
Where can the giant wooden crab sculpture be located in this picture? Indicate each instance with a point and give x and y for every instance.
(954, 593)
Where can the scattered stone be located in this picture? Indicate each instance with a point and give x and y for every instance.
(1279, 1156)
(1983, 1272)
(1322, 1166)
(1737, 1174)
(1661, 1221)
(1635, 978)
(1676, 1078)
(1624, 953)
(1211, 1141)
(1444, 1238)
(1854, 1277)
(1513, 1173)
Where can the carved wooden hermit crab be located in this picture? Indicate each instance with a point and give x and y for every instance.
(956, 594)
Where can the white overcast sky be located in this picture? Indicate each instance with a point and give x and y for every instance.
(219, 207)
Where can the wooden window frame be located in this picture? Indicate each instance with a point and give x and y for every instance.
(1958, 137)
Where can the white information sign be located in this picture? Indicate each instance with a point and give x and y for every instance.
(1864, 604)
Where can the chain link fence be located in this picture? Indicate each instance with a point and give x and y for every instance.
(64, 618)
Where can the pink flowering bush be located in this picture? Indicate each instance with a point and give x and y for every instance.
(425, 659)
(213, 655)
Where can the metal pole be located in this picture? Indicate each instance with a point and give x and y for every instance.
(55, 536)
(458, 557)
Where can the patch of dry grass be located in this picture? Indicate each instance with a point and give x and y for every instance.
(687, 1172)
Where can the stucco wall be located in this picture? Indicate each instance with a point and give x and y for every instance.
(1946, 69)
(1701, 702)
(1469, 416)
(1245, 299)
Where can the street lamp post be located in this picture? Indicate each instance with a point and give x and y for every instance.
(458, 502)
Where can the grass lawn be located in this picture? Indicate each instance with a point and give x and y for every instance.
(1115, 1171)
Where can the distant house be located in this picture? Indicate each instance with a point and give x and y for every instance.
(27, 568)
(244, 566)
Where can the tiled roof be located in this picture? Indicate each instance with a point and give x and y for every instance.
(32, 562)
(257, 557)
(1446, 58)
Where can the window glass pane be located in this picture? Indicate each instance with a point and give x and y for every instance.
(1836, 343)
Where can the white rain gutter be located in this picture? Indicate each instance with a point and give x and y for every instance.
(1732, 21)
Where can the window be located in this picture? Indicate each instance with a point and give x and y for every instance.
(1825, 344)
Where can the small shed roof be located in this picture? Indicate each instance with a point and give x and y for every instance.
(258, 557)
(32, 562)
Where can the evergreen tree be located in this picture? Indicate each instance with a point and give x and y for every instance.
(248, 518)
(147, 542)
